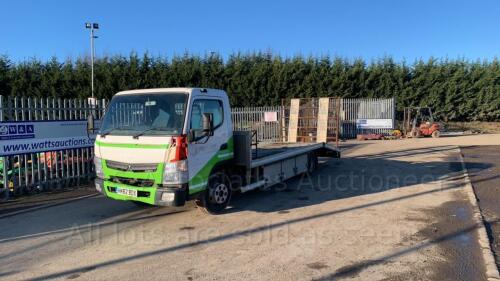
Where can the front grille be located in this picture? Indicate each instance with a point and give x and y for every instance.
(133, 182)
(131, 167)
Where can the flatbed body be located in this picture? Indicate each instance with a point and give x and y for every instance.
(268, 164)
(264, 150)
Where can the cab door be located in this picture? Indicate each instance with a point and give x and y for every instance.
(204, 152)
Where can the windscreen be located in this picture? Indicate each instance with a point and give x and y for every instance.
(145, 114)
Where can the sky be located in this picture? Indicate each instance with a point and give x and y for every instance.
(370, 29)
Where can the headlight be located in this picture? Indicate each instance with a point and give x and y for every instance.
(98, 167)
(175, 173)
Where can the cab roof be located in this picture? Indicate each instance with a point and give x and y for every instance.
(173, 90)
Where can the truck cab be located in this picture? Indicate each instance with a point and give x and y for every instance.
(163, 146)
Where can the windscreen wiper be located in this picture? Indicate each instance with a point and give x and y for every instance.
(110, 130)
(107, 133)
(136, 136)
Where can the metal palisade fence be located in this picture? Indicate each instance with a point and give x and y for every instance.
(26, 173)
(351, 111)
(268, 122)
(71, 167)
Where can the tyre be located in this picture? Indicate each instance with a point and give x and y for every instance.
(436, 134)
(216, 197)
(414, 134)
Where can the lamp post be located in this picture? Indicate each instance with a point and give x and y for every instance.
(92, 26)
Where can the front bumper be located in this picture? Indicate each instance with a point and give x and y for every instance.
(175, 195)
(172, 195)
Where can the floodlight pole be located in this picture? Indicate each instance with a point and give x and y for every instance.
(92, 59)
(92, 26)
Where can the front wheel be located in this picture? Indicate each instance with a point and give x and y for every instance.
(218, 194)
(436, 134)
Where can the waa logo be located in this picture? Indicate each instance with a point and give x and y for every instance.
(20, 129)
(16, 131)
(4, 130)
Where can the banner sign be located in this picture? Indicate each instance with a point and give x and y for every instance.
(374, 124)
(39, 136)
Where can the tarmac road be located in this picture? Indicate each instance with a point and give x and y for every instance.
(389, 210)
(486, 183)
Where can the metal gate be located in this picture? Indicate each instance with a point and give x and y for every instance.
(26, 173)
(353, 109)
(317, 120)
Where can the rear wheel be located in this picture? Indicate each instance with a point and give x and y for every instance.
(218, 194)
(415, 134)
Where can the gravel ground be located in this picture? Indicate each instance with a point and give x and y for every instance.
(21, 203)
(388, 210)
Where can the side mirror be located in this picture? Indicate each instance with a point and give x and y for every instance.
(90, 124)
(208, 124)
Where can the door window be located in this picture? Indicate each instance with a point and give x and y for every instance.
(206, 106)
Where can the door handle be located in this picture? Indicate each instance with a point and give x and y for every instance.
(223, 146)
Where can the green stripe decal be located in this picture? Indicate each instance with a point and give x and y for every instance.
(132, 145)
(200, 180)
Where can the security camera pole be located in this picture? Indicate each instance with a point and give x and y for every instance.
(92, 26)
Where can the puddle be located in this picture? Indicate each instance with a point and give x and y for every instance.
(461, 213)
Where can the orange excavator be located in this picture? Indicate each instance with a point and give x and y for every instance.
(419, 122)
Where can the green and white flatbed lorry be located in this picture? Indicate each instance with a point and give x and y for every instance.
(166, 146)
